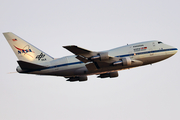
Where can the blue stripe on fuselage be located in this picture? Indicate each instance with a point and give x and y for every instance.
(154, 51)
(140, 53)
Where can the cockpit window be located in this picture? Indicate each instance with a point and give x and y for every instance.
(159, 42)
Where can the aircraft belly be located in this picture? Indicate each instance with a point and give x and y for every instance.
(69, 71)
(155, 57)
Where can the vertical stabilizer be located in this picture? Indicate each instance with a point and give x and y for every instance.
(25, 51)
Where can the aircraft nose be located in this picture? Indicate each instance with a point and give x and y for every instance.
(175, 51)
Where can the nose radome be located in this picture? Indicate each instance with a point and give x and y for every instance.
(176, 50)
(173, 49)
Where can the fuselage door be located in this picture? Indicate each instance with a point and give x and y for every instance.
(154, 44)
(152, 48)
(131, 51)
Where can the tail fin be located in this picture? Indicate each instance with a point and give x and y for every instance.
(25, 51)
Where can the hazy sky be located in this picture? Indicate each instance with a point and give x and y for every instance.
(143, 93)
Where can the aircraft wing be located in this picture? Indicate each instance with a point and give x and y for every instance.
(82, 54)
(85, 56)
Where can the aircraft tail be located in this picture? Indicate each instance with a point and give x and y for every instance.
(25, 51)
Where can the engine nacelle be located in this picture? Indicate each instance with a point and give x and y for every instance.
(124, 61)
(80, 79)
(111, 75)
(102, 56)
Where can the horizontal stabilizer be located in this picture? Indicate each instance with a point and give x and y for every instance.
(29, 66)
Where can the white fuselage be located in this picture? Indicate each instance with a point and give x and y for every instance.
(142, 53)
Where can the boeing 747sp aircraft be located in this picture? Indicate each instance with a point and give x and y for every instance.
(85, 62)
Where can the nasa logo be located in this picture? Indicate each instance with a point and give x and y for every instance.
(39, 57)
(25, 50)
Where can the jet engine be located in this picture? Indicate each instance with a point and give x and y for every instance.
(111, 75)
(80, 79)
(124, 61)
(101, 56)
